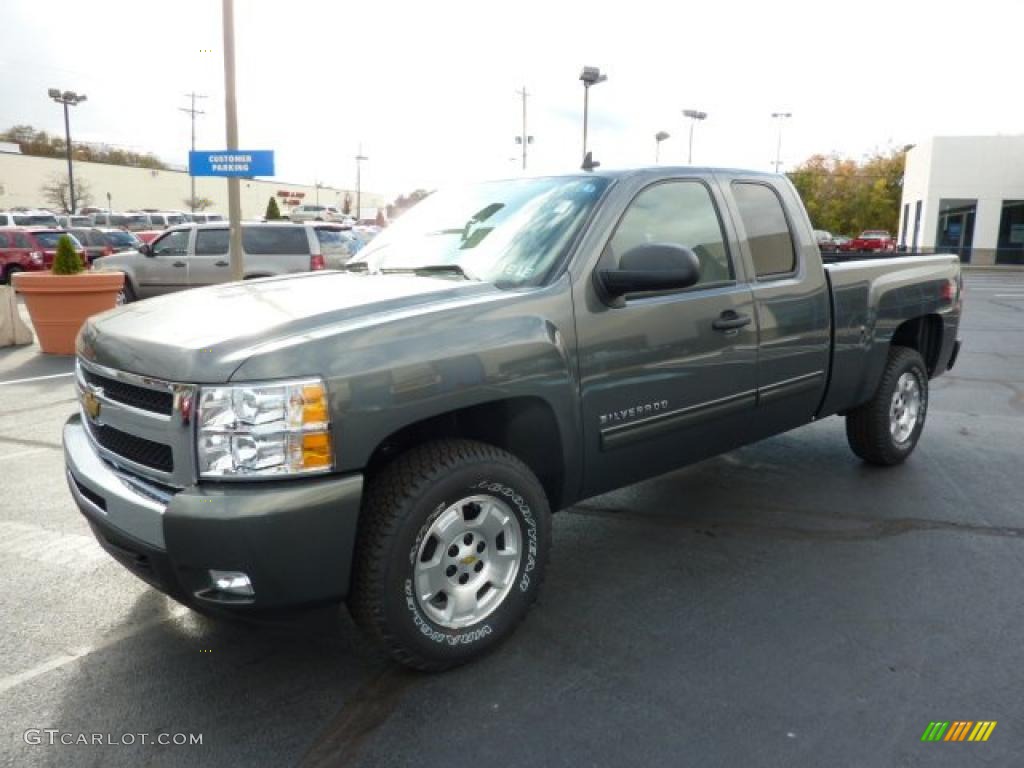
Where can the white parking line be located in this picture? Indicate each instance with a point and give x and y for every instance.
(37, 378)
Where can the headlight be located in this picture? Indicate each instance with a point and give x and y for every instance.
(264, 430)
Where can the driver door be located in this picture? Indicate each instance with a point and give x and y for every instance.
(165, 269)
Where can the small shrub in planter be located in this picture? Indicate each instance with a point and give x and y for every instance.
(67, 261)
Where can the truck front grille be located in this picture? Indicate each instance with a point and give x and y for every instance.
(136, 449)
(129, 394)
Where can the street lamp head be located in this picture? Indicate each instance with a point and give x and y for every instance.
(782, 114)
(661, 136)
(592, 76)
(54, 93)
(695, 114)
(82, 98)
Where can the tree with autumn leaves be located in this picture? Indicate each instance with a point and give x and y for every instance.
(847, 197)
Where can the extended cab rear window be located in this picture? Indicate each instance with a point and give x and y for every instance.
(275, 240)
(768, 235)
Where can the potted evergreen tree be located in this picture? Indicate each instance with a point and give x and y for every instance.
(60, 301)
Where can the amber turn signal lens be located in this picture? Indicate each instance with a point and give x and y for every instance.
(314, 404)
(316, 450)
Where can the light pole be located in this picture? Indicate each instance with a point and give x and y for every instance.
(68, 99)
(523, 138)
(110, 208)
(589, 76)
(780, 116)
(319, 185)
(694, 116)
(359, 182)
(659, 137)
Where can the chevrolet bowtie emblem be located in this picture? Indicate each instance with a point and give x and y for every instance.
(469, 560)
(91, 404)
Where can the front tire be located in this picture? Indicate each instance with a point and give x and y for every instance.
(126, 295)
(885, 430)
(452, 545)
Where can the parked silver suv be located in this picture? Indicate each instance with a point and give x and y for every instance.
(317, 212)
(192, 255)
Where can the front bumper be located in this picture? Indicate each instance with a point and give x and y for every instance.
(294, 538)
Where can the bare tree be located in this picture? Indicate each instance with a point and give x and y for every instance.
(57, 193)
(201, 203)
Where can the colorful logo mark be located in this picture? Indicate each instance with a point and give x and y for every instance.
(958, 730)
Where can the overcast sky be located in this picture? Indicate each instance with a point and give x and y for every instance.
(429, 88)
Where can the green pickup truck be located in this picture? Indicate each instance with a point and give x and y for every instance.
(397, 435)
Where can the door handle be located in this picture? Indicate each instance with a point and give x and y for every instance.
(178, 264)
(220, 263)
(730, 321)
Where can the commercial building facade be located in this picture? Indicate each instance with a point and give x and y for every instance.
(965, 194)
(22, 178)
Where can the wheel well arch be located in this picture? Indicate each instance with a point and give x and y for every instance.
(924, 334)
(524, 426)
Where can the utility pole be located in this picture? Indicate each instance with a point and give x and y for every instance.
(231, 115)
(359, 183)
(193, 112)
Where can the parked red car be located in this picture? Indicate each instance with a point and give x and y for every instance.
(19, 252)
(24, 242)
(871, 240)
(149, 235)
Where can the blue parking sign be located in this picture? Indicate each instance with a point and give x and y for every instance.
(231, 162)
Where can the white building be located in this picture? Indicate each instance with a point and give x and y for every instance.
(23, 176)
(965, 194)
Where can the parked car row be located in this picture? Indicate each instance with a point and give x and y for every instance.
(870, 240)
(193, 255)
(25, 249)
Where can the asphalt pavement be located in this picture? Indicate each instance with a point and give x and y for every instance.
(783, 605)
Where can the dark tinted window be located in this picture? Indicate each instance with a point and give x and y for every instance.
(49, 239)
(771, 243)
(21, 240)
(275, 240)
(34, 220)
(4, 241)
(121, 239)
(88, 236)
(211, 242)
(678, 212)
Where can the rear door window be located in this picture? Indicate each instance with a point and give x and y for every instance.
(21, 240)
(334, 242)
(768, 235)
(275, 240)
(211, 242)
(4, 241)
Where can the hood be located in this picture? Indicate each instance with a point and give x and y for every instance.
(204, 335)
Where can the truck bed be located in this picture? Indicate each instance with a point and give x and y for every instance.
(871, 299)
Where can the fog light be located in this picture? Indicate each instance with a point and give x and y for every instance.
(232, 582)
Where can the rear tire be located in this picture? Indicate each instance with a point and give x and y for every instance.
(127, 294)
(10, 272)
(453, 540)
(885, 430)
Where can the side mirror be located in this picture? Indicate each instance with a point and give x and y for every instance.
(146, 249)
(652, 267)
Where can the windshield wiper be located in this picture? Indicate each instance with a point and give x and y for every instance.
(432, 269)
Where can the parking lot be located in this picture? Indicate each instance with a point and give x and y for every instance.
(783, 604)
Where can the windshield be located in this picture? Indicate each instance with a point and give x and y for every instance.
(509, 233)
(122, 239)
(335, 242)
